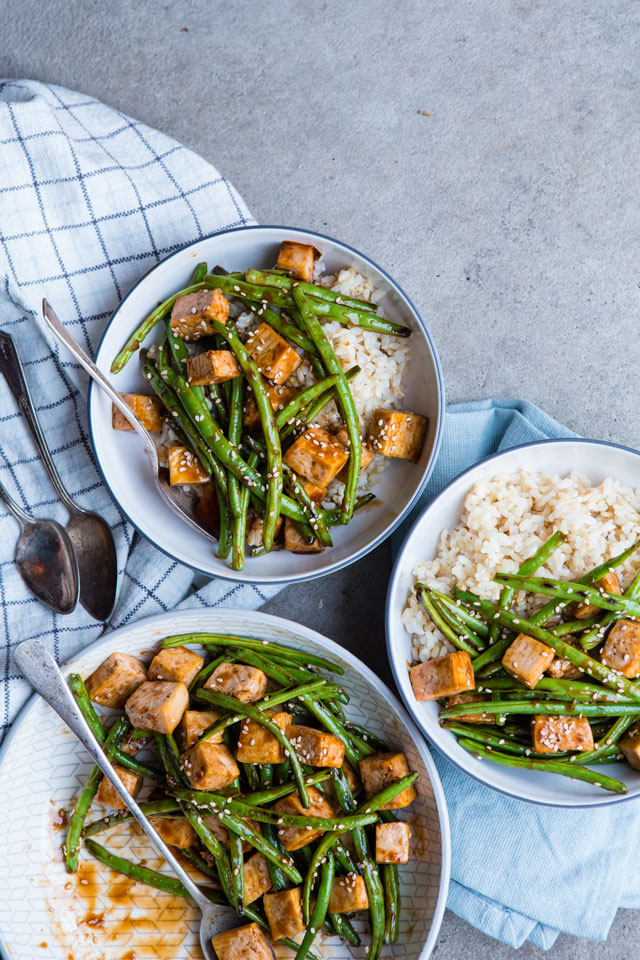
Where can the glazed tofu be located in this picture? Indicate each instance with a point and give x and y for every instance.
(115, 680)
(238, 680)
(192, 314)
(193, 724)
(296, 542)
(212, 366)
(392, 842)
(442, 677)
(242, 943)
(185, 467)
(295, 837)
(208, 509)
(381, 770)
(279, 394)
(147, 409)
(398, 434)
(284, 913)
(175, 663)
(276, 358)
(630, 746)
(297, 259)
(257, 879)
(561, 669)
(621, 650)
(317, 456)
(527, 659)
(471, 717)
(254, 533)
(348, 894)
(366, 458)
(559, 734)
(256, 744)
(317, 748)
(176, 832)
(108, 796)
(209, 766)
(313, 491)
(610, 584)
(157, 705)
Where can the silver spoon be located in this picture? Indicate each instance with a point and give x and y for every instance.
(40, 669)
(46, 559)
(179, 501)
(90, 535)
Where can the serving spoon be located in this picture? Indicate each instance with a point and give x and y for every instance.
(40, 669)
(175, 498)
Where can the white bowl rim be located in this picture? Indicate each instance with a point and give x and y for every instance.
(396, 669)
(226, 573)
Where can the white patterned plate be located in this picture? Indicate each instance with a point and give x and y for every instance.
(99, 915)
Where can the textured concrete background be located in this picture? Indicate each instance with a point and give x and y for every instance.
(485, 153)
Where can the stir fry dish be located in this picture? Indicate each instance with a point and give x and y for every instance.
(256, 775)
(261, 410)
(557, 691)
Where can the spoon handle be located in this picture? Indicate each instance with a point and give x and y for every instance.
(11, 367)
(40, 669)
(13, 507)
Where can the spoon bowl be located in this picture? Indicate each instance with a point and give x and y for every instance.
(95, 551)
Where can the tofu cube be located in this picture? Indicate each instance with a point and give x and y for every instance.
(284, 913)
(559, 734)
(208, 509)
(108, 796)
(317, 456)
(630, 746)
(442, 677)
(193, 724)
(176, 832)
(296, 542)
(621, 650)
(313, 491)
(242, 943)
(157, 705)
(352, 778)
(212, 366)
(293, 838)
(257, 879)
(381, 770)
(115, 679)
(209, 766)
(238, 680)
(256, 744)
(396, 433)
(147, 409)
(348, 894)
(175, 663)
(317, 748)
(610, 584)
(192, 314)
(254, 533)
(471, 717)
(276, 358)
(561, 669)
(279, 394)
(185, 467)
(392, 842)
(366, 458)
(297, 259)
(527, 659)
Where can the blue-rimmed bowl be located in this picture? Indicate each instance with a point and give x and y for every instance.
(124, 465)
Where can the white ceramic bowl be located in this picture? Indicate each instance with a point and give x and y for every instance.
(42, 766)
(598, 461)
(124, 465)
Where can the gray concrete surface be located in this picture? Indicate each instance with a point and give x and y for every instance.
(485, 153)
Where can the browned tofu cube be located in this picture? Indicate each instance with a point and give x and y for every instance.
(276, 358)
(242, 943)
(381, 770)
(115, 679)
(295, 837)
(209, 766)
(284, 912)
(630, 746)
(621, 650)
(175, 663)
(254, 533)
(443, 677)
(176, 832)
(392, 842)
(192, 314)
(610, 584)
(297, 259)
(132, 745)
(238, 680)
(185, 467)
(471, 717)
(256, 744)
(352, 778)
(561, 669)
(279, 394)
(257, 879)
(348, 894)
(317, 748)
(317, 456)
(193, 724)
(396, 433)
(208, 509)
(527, 659)
(312, 490)
(559, 734)
(157, 705)
(106, 793)
(366, 458)
(296, 542)
(148, 410)
(212, 366)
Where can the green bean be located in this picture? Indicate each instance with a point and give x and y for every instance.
(193, 856)
(154, 808)
(458, 608)
(143, 874)
(491, 654)
(319, 854)
(234, 434)
(443, 627)
(278, 878)
(595, 636)
(282, 326)
(314, 514)
(546, 708)
(284, 282)
(266, 647)
(219, 854)
(293, 408)
(391, 887)
(327, 874)
(237, 870)
(617, 729)
(206, 671)
(571, 689)
(309, 413)
(570, 592)
(343, 928)
(254, 837)
(447, 612)
(317, 687)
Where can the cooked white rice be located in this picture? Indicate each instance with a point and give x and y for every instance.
(505, 520)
